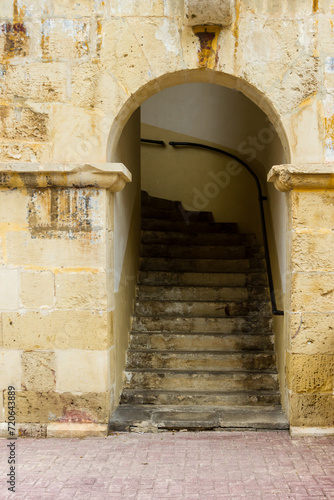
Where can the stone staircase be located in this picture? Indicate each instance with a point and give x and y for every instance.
(201, 352)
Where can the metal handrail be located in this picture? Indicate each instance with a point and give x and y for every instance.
(153, 141)
(261, 198)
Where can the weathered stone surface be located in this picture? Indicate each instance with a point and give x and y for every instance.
(86, 251)
(311, 333)
(10, 369)
(81, 291)
(34, 431)
(311, 410)
(312, 292)
(313, 209)
(312, 252)
(137, 8)
(160, 42)
(94, 90)
(37, 289)
(13, 207)
(38, 371)
(2, 409)
(122, 53)
(9, 290)
(198, 12)
(72, 430)
(311, 373)
(64, 38)
(82, 371)
(39, 81)
(44, 407)
(57, 330)
(23, 123)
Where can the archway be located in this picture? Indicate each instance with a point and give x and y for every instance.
(122, 141)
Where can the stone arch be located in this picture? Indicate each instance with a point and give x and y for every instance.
(193, 76)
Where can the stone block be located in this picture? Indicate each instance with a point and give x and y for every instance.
(23, 123)
(35, 431)
(40, 152)
(57, 330)
(138, 8)
(38, 371)
(70, 430)
(198, 12)
(311, 410)
(37, 289)
(64, 38)
(313, 292)
(311, 333)
(13, 207)
(66, 213)
(123, 55)
(43, 407)
(82, 371)
(80, 138)
(310, 373)
(86, 251)
(302, 127)
(92, 86)
(312, 209)
(38, 81)
(74, 9)
(10, 369)
(312, 251)
(2, 409)
(81, 291)
(9, 289)
(160, 42)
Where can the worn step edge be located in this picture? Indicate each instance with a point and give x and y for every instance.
(175, 371)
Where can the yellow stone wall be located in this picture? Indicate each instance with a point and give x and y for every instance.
(309, 313)
(71, 75)
(310, 359)
(57, 303)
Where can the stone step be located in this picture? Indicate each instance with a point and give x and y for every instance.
(178, 238)
(191, 227)
(200, 308)
(201, 341)
(165, 278)
(144, 418)
(200, 293)
(152, 201)
(201, 265)
(200, 381)
(175, 214)
(201, 360)
(194, 252)
(203, 399)
(198, 324)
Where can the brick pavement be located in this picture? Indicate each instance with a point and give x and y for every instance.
(178, 466)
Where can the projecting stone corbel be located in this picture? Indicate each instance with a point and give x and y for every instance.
(205, 12)
(111, 176)
(302, 176)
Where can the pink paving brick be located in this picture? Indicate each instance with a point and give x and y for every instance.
(177, 466)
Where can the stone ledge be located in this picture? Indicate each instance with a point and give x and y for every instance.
(296, 432)
(73, 430)
(302, 176)
(56, 430)
(112, 176)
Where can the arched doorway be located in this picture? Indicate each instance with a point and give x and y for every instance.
(268, 141)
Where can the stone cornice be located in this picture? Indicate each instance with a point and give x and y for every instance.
(111, 176)
(302, 176)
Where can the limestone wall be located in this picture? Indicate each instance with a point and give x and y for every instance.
(57, 302)
(71, 75)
